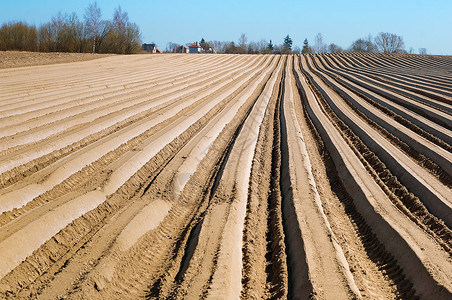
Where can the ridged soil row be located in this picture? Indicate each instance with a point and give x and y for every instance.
(160, 257)
(218, 228)
(411, 69)
(118, 237)
(60, 146)
(413, 206)
(442, 105)
(107, 81)
(115, 84)
(181, 139)
(368, 272)
(436, 160)
(382, 147)
(83, 74)
(415, 69)
(432, 71)
(444, 60)
(417, 123)
(429, 92)
(394, 76)
(53, 254)
(316, 262)
(396, 241)
(409, 65)
(89, 101)
(423, 109)
(112, 107)
(58, 180)
(370, 280)
(226, 281)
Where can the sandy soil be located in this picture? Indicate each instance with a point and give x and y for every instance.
(225, 176)
(13, 59)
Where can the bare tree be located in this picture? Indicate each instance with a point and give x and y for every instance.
(170, 46)
(219, 46)
(320, 46)
(389, 43)
(231, 48)
(251, 48)
(69, 32)
(242, 42)
(18, 36)
(363, 45)
(120, 20)
(133, 38)
(262, 46)
(66, 33)
(333, 48)
(93, 22)
(423, 51)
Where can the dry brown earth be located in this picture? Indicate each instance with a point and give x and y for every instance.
(225, 176)
(14, 59)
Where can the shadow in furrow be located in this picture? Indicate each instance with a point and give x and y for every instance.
(300, 286)
(376, 251)
(190, 236)
(189, 250)
(193, 237)
(276, 269)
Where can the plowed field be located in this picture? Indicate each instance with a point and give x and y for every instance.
(227, 176)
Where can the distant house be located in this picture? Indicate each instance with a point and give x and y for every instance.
(195, 48)
(181, 49)
(151, 48)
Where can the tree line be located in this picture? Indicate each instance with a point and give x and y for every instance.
(67, 33)
(242, 46)
(384, 42)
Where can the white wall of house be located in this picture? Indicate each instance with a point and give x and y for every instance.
(195, 49)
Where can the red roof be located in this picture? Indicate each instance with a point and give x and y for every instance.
(194, 45)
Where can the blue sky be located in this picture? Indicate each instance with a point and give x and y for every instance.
(421, 23)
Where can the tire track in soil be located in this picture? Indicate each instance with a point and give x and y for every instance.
(264, 259)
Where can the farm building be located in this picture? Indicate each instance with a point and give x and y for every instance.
(181, 49)
(151, 48)
(195, 48)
